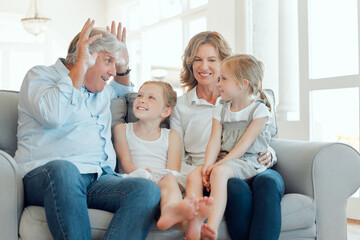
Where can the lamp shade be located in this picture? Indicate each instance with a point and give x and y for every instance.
(36, 26)
(34, 23)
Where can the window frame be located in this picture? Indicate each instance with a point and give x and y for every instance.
(186, 16)
(307, 84)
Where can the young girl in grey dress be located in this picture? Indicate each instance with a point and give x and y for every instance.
(240, 127)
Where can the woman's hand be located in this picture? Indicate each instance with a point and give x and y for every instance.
(265, 158)
(120, 33)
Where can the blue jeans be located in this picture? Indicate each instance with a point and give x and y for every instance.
(254, 211)
(66, 196)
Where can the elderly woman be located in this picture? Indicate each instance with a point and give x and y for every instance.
(253, 209)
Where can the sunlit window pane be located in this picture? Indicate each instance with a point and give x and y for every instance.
(20, 63)
(13, 32)
(169, 8)
(333, 38)
(335, 116)
(133, 15)
(162, 49)
(197, 3)
(134, 48)
(149, 12)
(194, 27)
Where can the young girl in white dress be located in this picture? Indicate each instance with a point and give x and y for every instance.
(240, 127)
(149, 151)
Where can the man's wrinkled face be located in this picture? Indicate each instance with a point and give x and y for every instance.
(103, 69)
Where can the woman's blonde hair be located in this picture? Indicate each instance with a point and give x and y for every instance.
(223, 50)
(107, 43)
(245, 66)
(169, 94)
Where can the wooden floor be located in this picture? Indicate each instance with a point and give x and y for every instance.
(353, 229)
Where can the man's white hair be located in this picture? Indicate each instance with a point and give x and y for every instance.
(107, 43)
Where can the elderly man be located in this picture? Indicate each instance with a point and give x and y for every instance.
(64, 140)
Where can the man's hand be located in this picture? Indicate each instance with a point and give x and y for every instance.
(265, 158)
(83, 54)
(84, 60)
(120, 33)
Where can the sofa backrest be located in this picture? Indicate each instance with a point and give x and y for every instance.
(8, 121)
(121, 110)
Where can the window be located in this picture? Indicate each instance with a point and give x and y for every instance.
(333, 71)
(19, 51)
(329, 70)
(335, 116)
(20, 61)
(153, 34)
(333, 38)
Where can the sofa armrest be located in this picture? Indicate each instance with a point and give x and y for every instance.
(327, 172)
(11, 197)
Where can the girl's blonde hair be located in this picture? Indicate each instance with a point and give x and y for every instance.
(245, 66)
(223, 50)
(169, 94)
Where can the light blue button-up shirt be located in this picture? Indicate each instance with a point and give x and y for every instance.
(60, 122)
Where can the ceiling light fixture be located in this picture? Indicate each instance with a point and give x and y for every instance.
(35, 23)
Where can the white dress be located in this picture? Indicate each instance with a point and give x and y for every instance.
(152, 155)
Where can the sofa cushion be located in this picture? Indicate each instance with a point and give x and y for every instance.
(299, 234)
(118, 111)
(130, 98)
(8, 121)
(33, 225)
(297, 212)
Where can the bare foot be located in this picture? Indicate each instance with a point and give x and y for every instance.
(194, 229)
(207, 233)
(178, 212)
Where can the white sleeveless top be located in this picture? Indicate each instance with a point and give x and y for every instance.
(148, 154)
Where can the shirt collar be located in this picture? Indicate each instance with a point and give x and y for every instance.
(193, 98)
(60, 67)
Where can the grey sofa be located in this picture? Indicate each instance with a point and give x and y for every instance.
(319, 178)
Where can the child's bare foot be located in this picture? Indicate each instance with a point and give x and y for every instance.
(178, 212)
(194, 229)
(207, 233)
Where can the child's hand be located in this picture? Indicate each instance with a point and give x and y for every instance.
(148, 169)
(205, 178)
